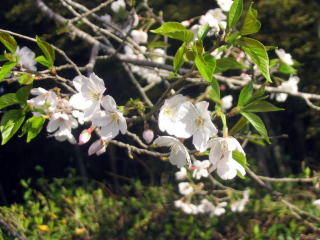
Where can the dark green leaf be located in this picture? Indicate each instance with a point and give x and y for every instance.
(178, 57)
(10, 123)
(203, 31)
(33, 127)
(261, 106)
(258, 55)
(257, 123)
(235, 13)
(23, 94)
(47, 50)
(242, 122)
(245, 94)
(225, 64)
(174, 30)
(8, 41)
(251, 24)
(8, 100)
(287, 69)
(6, 69)
(206, 66)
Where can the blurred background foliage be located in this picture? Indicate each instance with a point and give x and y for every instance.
(290, 24)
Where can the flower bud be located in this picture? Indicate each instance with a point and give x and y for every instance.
(84, 137)
(148, 135)
(97, 148)
(139, 36)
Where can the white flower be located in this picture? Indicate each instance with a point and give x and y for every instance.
(106, 17)
(317, 203)
(225, 5)
(219, 209)
(185, 188)
(26, 58)
(179, 155)
(118, 5)
(45, 100)
(159, 59)
(226, 102)
(199, 124)
(186, 23)
(200, 169)
(172, 116)
(238, 206)
(62, 124)
(188, 208)
(207, 207)
(139, 36)
(221, 157)
(215, 18)
(291, 86)
(111, 120)
(284, 57)
(181, 174)
(79, 116)
(90, 91)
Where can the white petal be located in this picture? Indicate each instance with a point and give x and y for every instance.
(165, 141)
(109, 104)
(110, 131)
(101, 119)
(53, 125)
(99, 83)
(122, 124)
(77, 101)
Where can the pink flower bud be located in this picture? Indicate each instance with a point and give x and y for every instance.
(97, 147)
(84, 137)
(148, 135)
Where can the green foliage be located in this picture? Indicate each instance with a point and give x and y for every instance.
(6, 69)
(203, 31)
(178, 57)
(32, 127)
(48, 51)
(225, 64)
(10, 123)
(251, 23)
(235, 13)
(245, 94)
(174, 30)
(257, 53)
(206, 65)
(8, 41)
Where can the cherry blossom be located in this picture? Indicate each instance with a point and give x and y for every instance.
(139, 36)
(179, 155)
(185, 188)
(45, 100)
(291, 86)
(148, 135)
(238, 206)
(90, 92)
(225, 5)
(118, 5)
(200, 169)
(26, 58)
(226, 102)
(188, 208)
(110, 120)
(221, 157)
(98, 147)
(215, 18)
(284, 57)
(181, 174)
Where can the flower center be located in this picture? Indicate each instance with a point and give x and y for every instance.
(199, 122)
(115, 116)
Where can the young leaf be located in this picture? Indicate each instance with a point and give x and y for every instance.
(47, 50)
(203, 31)
(43, 61)
(225, 64)
(26, 79)
(235, 13)
(6, 69)
(240, 158)
(23, 94)
(174, 30)
(206, 66)
(261, 106)
(8, 41)
(215, 90)
(287, 69)
(245, 94)
(251, 24)
(32, 127)
(242, 122)
(10, 123)
(257, 123)
(257, 53)
(8, 100)
(178, 57)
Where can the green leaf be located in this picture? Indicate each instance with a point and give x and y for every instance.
(10, 123)
(33, 127)
(3, 58)
(258, 94)
(235, 13)
(174, 30)
(178, 57)
(225, 64)
(257, 53)
(206, 65)
(287, 69)
(241, 123)
(26, 79)
(215, 91)
(47, 50)
(43, 61)
(261, 106)
(8, 41)
(240, 158)
(6, 69)
(198, 48)
(257, 123)
(203, 31)
(245, 94)
(251, 24)
(8, 100)
(23, 94)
